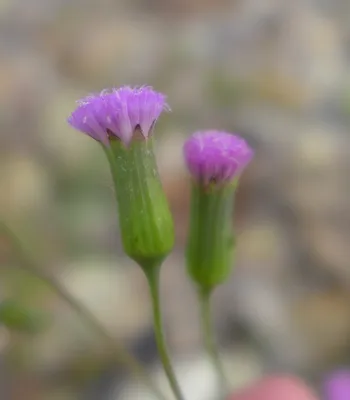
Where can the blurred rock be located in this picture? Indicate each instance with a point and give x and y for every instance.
(315, 185)
(114, 292)
(178, 293)
(176, 182)
(64, 145)
(197, 378)
(273, 387)
(327, 245)
(24, 185)
(314, 41)
(324, 321)
(263, 244)
(113, 46)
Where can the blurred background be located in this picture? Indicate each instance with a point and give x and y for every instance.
(275, 71)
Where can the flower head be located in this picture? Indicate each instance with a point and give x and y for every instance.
(215, 157)
(118, 112)
(337, 386)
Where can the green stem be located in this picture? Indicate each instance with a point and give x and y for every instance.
(152, 275)
(121, 354)
(209, 341)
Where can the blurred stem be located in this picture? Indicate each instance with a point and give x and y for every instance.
(152, 275)
(209, 340)
(121, 354)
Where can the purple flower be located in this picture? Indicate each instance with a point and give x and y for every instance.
(118, 112)
(216, 157)
(337, 386)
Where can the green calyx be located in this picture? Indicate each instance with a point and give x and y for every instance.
(144, 216)
(211, 241)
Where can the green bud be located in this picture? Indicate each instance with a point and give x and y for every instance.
(210, 241)
(145, 219)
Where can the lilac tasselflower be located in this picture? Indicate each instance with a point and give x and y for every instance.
(120, 119)
(215, 160)
(118, 113)
(216, 157)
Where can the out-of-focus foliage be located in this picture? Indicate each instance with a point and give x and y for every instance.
(19, 318)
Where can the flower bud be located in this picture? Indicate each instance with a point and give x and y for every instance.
(123, 120)
(215, 161)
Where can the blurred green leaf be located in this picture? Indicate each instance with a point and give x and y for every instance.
(345, 101)
(20, 318)
(225, 91)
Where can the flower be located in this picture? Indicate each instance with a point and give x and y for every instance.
(337, 386)
(216, 157)
(118, 113)
(215, 160)
(118, 118)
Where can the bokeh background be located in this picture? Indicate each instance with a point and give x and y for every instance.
(277, 72)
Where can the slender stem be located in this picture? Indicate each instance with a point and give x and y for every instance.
(152, 275)
(121, 354)
(209, 341)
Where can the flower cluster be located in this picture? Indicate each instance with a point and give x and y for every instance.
(118, 112)
(214, 159)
